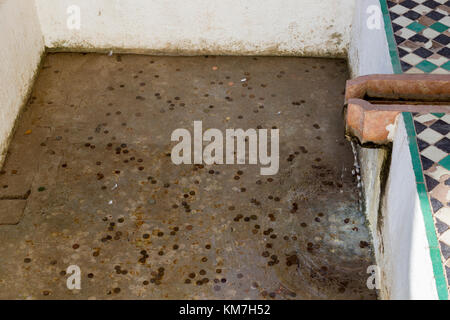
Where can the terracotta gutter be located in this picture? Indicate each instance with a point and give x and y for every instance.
(373, 103)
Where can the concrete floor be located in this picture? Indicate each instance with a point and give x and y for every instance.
(93, 147)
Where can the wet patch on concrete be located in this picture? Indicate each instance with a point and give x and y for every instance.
(93, 146)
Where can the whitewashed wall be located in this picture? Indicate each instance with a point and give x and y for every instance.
(21, 46)
(369, 51)
(406, 261)
(274, 27)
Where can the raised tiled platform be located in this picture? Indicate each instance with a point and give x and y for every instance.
(421, 31)
(419, 39)
(433, 133)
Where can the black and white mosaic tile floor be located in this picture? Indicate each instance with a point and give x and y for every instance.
(433, 133)
(421, 31)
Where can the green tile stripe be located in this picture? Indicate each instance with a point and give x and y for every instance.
(435, 253)
(390, 38)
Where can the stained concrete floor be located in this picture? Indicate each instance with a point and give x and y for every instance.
(90, 181)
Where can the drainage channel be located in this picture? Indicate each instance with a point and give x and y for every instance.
(374, 102)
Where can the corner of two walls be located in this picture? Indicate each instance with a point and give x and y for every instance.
(21, 50)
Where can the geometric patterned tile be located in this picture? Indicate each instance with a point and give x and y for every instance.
(434, 153)
(402, 52)
(426, 53)
(441, 227)
(431, 4)
(413, 15)
(436, 205)
(393, 16)
(439, 27)
(438, 173)
(430, 136)
(444, 215)
(407, 68)
(426, 66)
(437, 59)
(426, 163)
(439, 115)
(430, 33)
(445, 249)
(445, 52)
(442, 39)
(418, 126)
(445, 162)
(419, 28)
(430, 183)
(402, 21)
(407, 32)
(422, 144)
(425, 118)
(439, 71)
(422, 34)
(446, 118)
(413, 59)
(445, 238)
(447, 271)
(435, 15)
(441, 126)
(398, 9)
(444, 145)
(446, 65)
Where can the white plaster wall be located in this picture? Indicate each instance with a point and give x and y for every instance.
(405, 258)
(21, 46)
(300, 27)
(369, 50)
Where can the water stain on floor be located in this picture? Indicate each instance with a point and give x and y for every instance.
(90, 165)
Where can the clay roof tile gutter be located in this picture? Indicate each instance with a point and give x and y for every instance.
(374, 102)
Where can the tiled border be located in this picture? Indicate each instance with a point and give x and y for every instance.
(435, 252)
